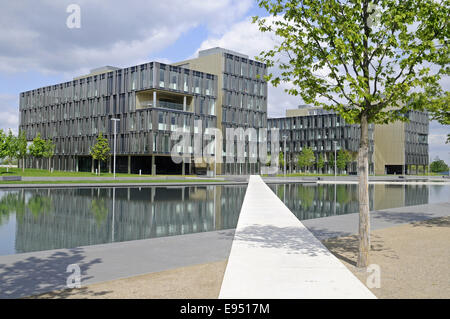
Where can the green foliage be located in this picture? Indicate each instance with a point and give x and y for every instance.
(320, 162)
(331, 160)
(3, 145)
(306, 157)
(281, 159)
(371, 61)
(343, 158)
(49, 149)
(438, 166)
(38, 147)
(11, 202)
(39, 204)
(21, 145)
(101, 150)
(11, 146)
(100, 210)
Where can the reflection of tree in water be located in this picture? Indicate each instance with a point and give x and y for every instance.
(280, 191)
(306, 195)
(100, 210)
(39, 204)
(11, 202)
(314, 201)
(343, 194)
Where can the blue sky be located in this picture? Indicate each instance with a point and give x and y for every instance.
(37, 48)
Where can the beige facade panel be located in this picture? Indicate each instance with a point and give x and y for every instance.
(389, 142)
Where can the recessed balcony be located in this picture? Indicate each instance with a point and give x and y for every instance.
(166, 100)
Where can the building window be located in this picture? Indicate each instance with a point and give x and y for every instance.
(173, 80)
(185, 83)
(161, 78)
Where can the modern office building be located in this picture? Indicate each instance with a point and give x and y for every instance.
(151, 100)
(222, 88)
(395, 148)
(241, 97)
(324, 132)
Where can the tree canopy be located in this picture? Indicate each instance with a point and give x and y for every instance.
(343, 158)
(370, 61)
(306, 158)
(38, 147)
(438, 166)
(374, 58)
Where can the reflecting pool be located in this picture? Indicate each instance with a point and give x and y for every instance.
(42, 219)
(309, 201)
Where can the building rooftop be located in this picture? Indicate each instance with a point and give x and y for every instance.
(220, 50)
(96, 71)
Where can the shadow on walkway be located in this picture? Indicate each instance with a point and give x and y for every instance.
(295, 240)
(36, 275)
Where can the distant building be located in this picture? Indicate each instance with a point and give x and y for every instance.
(402, 147)
(395, 148)
(324, 132)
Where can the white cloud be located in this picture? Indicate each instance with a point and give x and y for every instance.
(9, 115)
(112, 32)
(245, 37)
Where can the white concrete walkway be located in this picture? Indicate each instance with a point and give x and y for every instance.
(274, 256)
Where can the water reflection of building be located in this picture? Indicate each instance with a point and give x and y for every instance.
(390, 196)
(311, 201)
(79, 217)
(315, 201)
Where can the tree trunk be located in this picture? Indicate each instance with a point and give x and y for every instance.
(98, 167)
(363, 194)
(23, 164)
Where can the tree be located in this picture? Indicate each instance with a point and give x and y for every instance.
(331, 160)
(369, 61)
(320, 162)
(306, 158)
(281, 160)
(438, 166)
(3, 145)
(10, 150)
(37, 149)
(49, 150)
(22, 148)
(101, 150)
(343, 158)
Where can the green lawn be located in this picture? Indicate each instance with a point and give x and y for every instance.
(31, 172)
(115, 181)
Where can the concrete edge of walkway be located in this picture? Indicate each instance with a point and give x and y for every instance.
(273, 255)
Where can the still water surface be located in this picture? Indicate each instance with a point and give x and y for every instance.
(42, 219)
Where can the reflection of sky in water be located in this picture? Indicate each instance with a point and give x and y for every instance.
(439, 193)
(42, 219)
(315, 201)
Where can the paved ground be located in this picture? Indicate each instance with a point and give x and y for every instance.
(413, 259)
(274, 256)
(34, 273)
(343, 225)
(198, 281)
